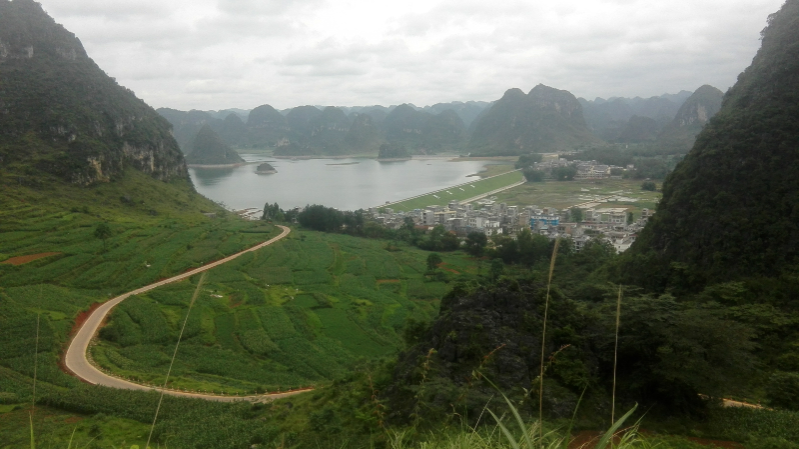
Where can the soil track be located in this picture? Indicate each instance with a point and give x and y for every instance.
(77, 363)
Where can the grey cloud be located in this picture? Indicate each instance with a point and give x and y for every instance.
(241, 53)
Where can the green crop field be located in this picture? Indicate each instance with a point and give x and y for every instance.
(157, 230)
(302, 311)
(465, 192)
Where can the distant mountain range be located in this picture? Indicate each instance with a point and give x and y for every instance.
(544, 120)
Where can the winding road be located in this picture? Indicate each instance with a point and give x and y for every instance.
(77, 363)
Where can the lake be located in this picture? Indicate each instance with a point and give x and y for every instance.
(346, 184)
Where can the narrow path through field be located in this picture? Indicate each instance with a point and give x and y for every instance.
(76, 361)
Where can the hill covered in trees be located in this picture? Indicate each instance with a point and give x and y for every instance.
(545, 120)
(209, 149)
(60, 114)
(729, 208)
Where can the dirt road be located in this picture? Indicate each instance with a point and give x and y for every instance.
(76, 361)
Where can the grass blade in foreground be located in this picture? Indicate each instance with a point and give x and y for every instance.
(543, 343)
(603, 442)
(169, 371)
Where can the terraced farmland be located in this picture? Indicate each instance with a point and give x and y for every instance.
(304, 310)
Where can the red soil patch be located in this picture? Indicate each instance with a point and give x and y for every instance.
(19, 260)
(79, 320)
(589, 438)
(443, 266)
(388, 281)
(717, 443)
(73, 420)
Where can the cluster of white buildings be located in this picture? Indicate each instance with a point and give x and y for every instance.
(610, 223)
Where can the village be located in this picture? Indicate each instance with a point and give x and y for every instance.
(580, 223)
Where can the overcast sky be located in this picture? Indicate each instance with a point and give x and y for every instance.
(217, 54)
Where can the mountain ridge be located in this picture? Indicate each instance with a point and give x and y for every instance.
(66, 117)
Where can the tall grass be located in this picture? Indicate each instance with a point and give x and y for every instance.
(544, 340)
(615, 357)
(174, 355)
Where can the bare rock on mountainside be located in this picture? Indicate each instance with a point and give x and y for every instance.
(730, 209)
(208, 149)
(545, 120)
(693, 115)
(61, 114)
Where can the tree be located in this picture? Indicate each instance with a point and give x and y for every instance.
(630, 218)
(102, 231)
(273, 212)
(576, 214)
(497, 268)
(528, 160)
(476, 243)
(532, 175)
(433, 260)
(566, 173)
(648, 185)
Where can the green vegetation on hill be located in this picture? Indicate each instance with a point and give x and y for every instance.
(299, 312)
(543, 121)
(727, 208)
(62, 115)
(389, 151)
(209, 149)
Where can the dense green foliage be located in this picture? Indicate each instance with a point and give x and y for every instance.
(528, 160)
(64, 116)
(390, 151)
(728, 208)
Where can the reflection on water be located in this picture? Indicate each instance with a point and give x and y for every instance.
(210, 176)
(347, 184)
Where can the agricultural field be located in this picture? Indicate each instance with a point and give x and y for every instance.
(461, 193)
(155, 230)
(305, 310)
(564, 194)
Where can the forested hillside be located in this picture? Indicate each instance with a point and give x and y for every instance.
(62, 115)
(729, 209)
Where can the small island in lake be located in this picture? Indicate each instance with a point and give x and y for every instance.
(265, 169)
(392, 152)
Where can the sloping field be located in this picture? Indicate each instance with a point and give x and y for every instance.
(302, 311)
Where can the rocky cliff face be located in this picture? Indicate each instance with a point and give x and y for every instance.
(60, 113)
(693, 115)
(545, 120)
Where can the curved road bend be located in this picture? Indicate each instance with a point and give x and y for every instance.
(75, 358)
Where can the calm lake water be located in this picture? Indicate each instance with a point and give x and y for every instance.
(346, 184)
